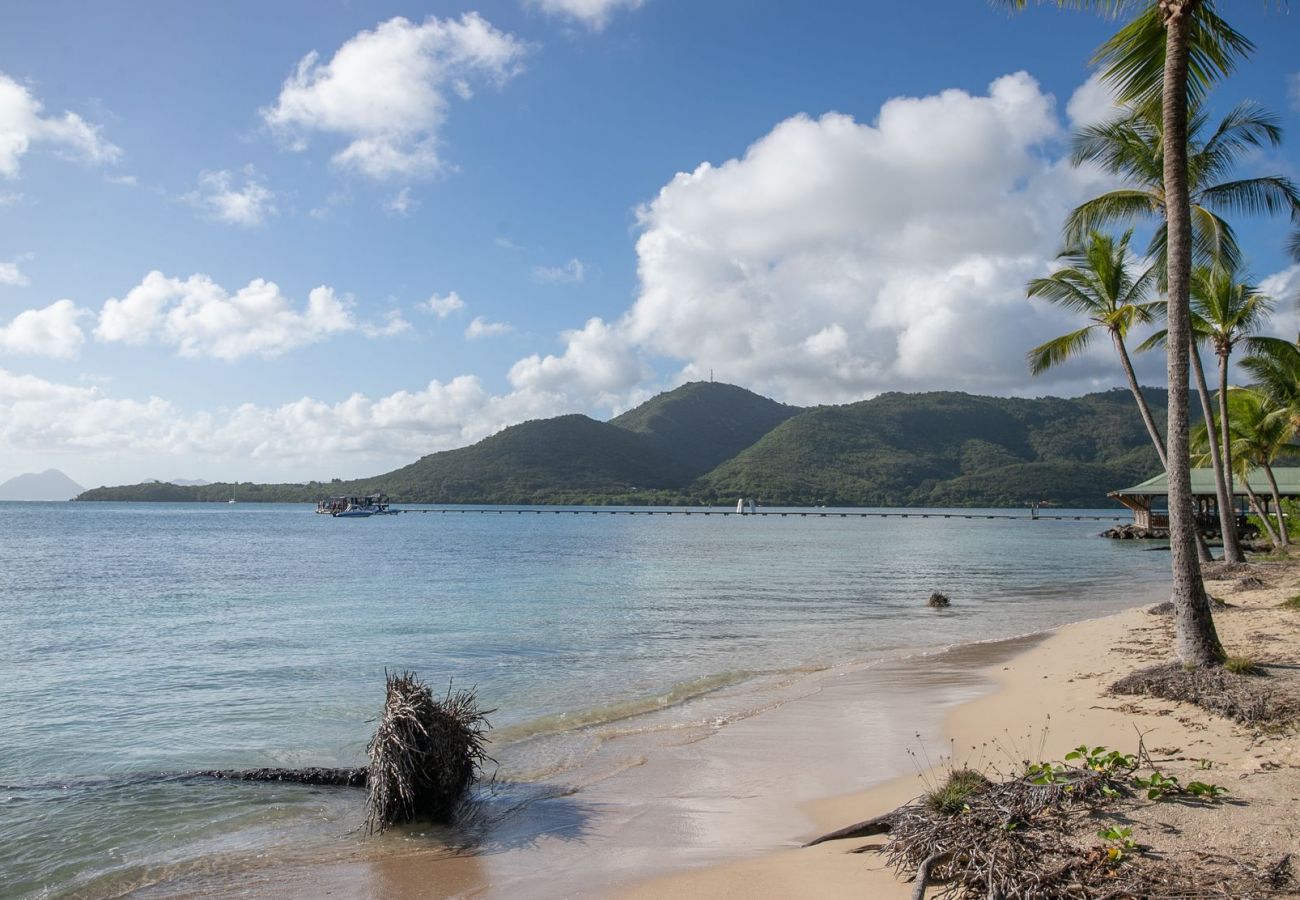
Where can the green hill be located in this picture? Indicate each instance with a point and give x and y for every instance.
(712, 443)
(946, 449)
(702, 424)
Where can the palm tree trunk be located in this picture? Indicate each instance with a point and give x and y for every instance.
(1277, 506)
(1143, 408)
(1225, 433)
(1223, 497)
(1203, 553)
(1259, 511)
(1196, 640)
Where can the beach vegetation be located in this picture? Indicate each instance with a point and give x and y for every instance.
(1242, 665)
(1292, 603)
(1243, 698)
(952, 795)
(1119, 842)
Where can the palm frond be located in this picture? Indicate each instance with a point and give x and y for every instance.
(1267, 194)
(1115, 207)
(1058, 350)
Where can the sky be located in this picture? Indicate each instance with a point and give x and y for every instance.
(305, 240)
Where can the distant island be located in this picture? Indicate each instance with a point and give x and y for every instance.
(711, 443)
(48, 485)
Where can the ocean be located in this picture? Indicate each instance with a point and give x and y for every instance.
(146, 640)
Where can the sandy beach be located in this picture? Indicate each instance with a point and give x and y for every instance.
(1053, 696)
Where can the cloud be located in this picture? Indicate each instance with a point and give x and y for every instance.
(22, 126)
(386, 91)
(218, 196)
(401, 203)
(481, 328)
(299, 438)
(597, 364)
(594, 14)
(202, 319)
(442, 307)
(53, 331)
(393, 324)
(837, 259)
(1092, 103)
(11, 275)
(572, 272)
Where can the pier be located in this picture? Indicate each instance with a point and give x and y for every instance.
(783, 513)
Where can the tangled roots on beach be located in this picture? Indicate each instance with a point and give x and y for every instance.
(425, 753)
(1021, 839)
(1248, 699)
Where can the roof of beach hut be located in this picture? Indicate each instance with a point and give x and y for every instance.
(1288, 484)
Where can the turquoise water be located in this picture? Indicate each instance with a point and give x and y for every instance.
(149, 638)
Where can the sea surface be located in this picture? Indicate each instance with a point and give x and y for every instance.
(138, 641)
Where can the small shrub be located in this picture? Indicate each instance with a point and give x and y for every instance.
(1292, 603)
(950, 797)
(1242, 665)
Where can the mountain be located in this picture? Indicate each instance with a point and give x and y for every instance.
(48, 485)
(568, 459)
(947, 449)
(702, 424)
(712, 443)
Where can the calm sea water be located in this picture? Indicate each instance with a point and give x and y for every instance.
(147, 638)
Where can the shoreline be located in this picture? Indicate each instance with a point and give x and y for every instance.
(1016, 721)
(658, 808)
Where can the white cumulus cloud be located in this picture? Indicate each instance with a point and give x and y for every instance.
(220, 196)
(597, 364)
(442, 307)
(386, 91)
(23, 125)
(203, 319)
(53, 331)
(12, 275)
(481, 328)
(594, 14)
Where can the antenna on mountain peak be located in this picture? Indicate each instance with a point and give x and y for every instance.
(710, 376)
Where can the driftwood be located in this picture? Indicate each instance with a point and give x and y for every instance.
(311, 775)
(878, 825)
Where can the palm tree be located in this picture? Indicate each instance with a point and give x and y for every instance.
(1227, 522)
(1132, 147)
(1098, 282)
(1170, 52)
(1226, 311)
(1260, 431)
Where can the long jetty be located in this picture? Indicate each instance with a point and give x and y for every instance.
(801, 513)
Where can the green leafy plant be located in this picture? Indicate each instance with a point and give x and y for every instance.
(1205, 791)
(1099, 759)
(1159, 786)
(1047, 773)
(1119, 842)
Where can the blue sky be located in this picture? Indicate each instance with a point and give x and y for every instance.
(384, 229)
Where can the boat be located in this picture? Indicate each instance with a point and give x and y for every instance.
(344, 507)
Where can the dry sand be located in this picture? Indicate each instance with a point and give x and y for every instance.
(1052, 698)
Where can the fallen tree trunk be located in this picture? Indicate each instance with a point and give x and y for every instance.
(310, 775)
(878, 825)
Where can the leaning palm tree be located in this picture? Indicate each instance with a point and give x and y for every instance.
(1098, 282)
(1170, 52)
(1132, 147)
(1261, 431)
(1227, 311)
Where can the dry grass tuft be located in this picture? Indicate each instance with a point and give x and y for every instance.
(425, 753)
